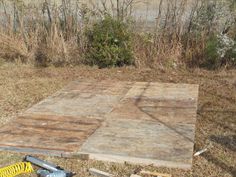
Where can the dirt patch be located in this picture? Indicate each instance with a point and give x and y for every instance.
(22, 86)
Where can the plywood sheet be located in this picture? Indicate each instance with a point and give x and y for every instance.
(165, 111)
(84, 99)
(52, 133)
(164, 91)
(137, 122)
(142, 140)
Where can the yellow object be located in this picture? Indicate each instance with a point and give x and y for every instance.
(16, 169)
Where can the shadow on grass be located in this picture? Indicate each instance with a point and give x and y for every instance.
(226, 141)
(227, 119)
(221, 118)
(219, 163)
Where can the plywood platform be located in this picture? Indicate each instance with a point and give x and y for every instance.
(138, 122)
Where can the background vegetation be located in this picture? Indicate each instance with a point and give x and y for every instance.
(197, 34)
(109, 43)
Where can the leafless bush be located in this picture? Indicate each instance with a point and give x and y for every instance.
(54, 34)
(13, 47)
(182, 30)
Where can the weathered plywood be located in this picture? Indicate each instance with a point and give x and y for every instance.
(165, 103)
(164, 91)
(84, 99)
(142, 140)
(138, 122)
(153, 123)
(56, 133)
(156, 110)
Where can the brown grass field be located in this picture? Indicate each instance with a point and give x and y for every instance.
(21, 86)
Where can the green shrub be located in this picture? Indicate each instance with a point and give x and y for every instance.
(220, 50)
(211, 56)
(109, 44)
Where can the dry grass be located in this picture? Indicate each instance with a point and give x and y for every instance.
(12, 47)
(55, 35)
(21, 86)
(157, 52)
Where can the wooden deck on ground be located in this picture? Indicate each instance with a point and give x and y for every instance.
(137, 122)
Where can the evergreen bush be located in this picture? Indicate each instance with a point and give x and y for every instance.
(109, 44)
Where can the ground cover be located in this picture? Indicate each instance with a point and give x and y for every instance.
(21, 86)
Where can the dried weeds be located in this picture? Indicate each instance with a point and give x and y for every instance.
(22, 86)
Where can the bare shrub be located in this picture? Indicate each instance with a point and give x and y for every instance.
(49, 34)
(56, 50)
(156, 52)
(13, 47)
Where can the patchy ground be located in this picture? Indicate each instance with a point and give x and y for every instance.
(22, 86)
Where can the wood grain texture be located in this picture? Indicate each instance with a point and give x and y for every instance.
(83, 99)
(142, 139)
(46, 133)
(138, 122)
